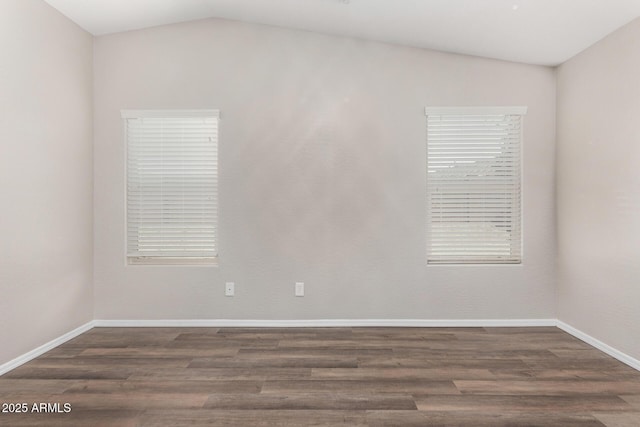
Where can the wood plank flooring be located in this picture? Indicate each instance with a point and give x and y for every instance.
(325, 376)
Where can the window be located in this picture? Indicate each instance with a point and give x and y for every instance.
(172, 186)
(473, 184)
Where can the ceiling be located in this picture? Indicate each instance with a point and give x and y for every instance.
(546, 32)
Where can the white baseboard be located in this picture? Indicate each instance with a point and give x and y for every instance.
(624, 358)
(321, 323)
(21, 360)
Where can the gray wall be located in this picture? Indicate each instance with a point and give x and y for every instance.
(46, 250)
(599, 190)
(322, 176)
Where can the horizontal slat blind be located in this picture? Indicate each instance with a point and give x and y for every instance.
(474, 186)
(172, 184)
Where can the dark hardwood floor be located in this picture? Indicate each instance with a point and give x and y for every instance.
(324, 376)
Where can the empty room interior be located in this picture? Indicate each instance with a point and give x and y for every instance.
(320, 212)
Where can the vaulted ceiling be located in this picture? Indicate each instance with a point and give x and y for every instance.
(546, 32)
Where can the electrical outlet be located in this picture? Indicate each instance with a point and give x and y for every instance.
(229, 289)
(299, 290)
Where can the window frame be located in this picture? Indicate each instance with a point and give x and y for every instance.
(126, 114)
(477, 110)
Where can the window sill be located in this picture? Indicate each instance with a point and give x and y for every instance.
(176, 261)
(472, 263)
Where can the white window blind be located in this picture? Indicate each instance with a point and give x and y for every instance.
(474, 184)
(172, 186)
